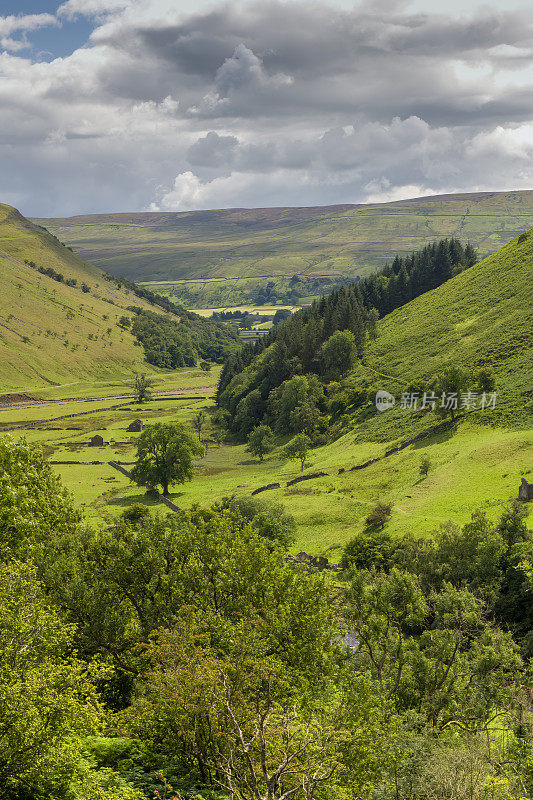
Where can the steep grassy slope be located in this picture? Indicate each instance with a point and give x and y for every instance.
(50, 332)
(347, 240)
(482, 317)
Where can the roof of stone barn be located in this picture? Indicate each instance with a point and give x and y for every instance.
(136, 425)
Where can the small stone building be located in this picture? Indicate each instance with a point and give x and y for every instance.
(525, 491)
(96, 441)
(136, 426)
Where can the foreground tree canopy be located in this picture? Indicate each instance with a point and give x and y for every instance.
(186, 650)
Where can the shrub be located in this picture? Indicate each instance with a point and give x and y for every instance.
(135, 513)
(379, 515)
(370, 549)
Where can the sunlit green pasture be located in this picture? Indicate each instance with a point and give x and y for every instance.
(473, 466)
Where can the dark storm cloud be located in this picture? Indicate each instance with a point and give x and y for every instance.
(261, 103)
(314, 59)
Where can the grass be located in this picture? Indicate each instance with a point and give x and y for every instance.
(258, 244)
(51, 333)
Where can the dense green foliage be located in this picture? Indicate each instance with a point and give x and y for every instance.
(165, 455)
(47, 701)
(219, 666)
(327, 338)
(484, 557)
(172, 344)
(33, 504)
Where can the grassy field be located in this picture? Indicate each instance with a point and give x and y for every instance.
(475, 466)
(180, 380)
(51, 333)
(257, 244)
(207, 312)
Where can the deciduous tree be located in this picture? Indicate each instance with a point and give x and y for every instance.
(165, 455)
(141, 386)
(339, 354)
(261, 441)
(298, 449)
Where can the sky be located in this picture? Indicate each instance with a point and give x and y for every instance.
(174, 105)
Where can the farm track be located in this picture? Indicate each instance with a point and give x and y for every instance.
(181, 395)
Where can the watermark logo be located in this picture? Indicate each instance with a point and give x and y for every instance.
(384, 400)
(450, 401)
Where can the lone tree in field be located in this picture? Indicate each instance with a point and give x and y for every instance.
(141, 386)
(261, 441)
(298, 448)
(199, 422)
(165, 455)
(379, 515)
(425, 465)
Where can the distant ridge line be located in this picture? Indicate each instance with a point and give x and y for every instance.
(453, 196)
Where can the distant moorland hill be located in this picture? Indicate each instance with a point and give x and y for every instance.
(270, 242)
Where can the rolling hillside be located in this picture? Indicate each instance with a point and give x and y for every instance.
(51, 332)
(262, 243)
(482, 317)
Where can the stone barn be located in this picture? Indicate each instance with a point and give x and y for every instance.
(96, 441)
(525, 492)
(136, 426)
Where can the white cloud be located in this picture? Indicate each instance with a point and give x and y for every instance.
(91, 8)
(22, 24)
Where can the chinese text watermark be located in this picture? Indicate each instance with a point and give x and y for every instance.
(448, 401)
